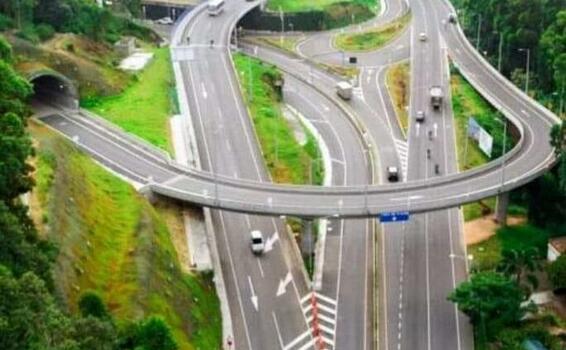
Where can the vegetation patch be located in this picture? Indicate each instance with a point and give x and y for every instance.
(301, 5)
(398, 83)
(288, 44)
(487, 254)
(468, 103)
(91, 65)
(112, 241)
(287, 161)
(372, 39)
(145, 106)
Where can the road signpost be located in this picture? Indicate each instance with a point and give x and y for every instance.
(398, 216)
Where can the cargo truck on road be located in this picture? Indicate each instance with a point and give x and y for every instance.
(436, 97)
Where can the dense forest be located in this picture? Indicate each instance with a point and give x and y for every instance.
(30, 317)
(38, 20)
(517, 28)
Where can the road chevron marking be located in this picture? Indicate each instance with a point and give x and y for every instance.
(325, 323)
(403, 151)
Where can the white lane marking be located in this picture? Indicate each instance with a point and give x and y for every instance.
(298, 339)
(260, 267)
(277, 330)
(254, 298)
(204, 93)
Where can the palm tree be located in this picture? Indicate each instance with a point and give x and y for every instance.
(521, 264)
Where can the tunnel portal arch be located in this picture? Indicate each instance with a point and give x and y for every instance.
(52, 88)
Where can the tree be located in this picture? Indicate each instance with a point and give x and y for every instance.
(521, 264)
(94, 333)
(557, 272)
(491, 300)
(150, 334)
(29, 317)
(91, 304)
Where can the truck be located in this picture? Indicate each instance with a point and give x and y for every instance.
(436, 97)
(344, 90)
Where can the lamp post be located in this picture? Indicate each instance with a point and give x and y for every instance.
(500, 51)
(527, 70)
(478, 33)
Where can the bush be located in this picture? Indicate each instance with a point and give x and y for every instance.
(28, 33)
(91, 304)
(44, 31)
(5, 22)
(557, 273)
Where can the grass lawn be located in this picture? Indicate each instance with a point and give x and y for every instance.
(303, 5)
(371, 39)
(467, 102)
(398, 82)
(113, 241)
(487, 254)
(287, 161)
(145, 106)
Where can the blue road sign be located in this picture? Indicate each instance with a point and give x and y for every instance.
(394, 216)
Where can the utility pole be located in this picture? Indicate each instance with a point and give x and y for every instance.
(528, 51)
(282, 16)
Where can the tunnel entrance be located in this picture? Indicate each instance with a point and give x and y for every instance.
(55, 90)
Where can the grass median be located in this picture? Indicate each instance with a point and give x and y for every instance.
(372, 39)
(286, 159)
(302, 5)
(143, 108)
(113, 241)
(398, 84)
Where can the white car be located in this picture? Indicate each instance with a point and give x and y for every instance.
(164, 20)
(422, 36)
(257, 243)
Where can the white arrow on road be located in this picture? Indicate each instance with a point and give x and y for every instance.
(435, 130)
(254, 296)
(283, 284)
(271, 241)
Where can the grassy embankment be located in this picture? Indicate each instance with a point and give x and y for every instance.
(113, 241)
(91, 64)
(398, 83)
(301, 5)
(286, 160)
(143, 108)
(467, 102)
(372, 39)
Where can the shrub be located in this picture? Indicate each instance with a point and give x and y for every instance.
(44, 31)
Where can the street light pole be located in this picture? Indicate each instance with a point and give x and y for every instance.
(500, 51)
(528, 51)
(478, 34)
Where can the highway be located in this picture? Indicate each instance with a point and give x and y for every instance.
(422, 261)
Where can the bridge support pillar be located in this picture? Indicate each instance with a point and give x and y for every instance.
(307, 238)
(501, 208)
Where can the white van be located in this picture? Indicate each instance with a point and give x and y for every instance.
(344, 90)
(215, 7)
